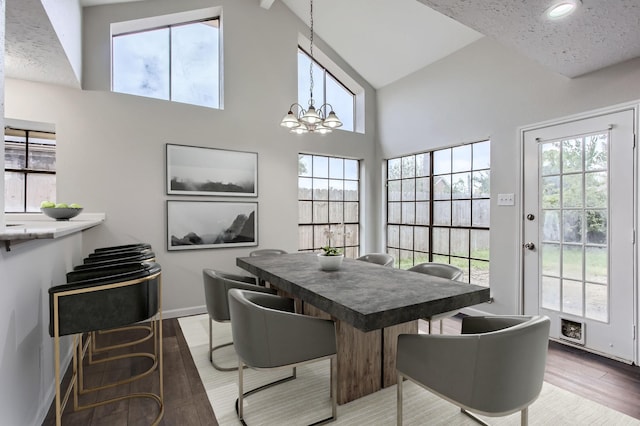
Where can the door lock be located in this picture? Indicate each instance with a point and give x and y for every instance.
(530, 216)
(529, 246)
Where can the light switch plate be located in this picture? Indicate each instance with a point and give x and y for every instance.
(506, 200)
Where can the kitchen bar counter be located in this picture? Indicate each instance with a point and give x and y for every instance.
(24, 226)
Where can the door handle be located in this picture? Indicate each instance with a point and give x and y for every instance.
(529, 246)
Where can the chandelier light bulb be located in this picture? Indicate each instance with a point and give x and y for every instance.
(311, 120)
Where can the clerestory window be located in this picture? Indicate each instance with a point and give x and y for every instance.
(175, 61)
(326, 89)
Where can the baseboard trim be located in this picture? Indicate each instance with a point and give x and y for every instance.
(184, 312)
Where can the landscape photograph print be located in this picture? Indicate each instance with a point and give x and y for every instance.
(211, 224)
(193, 170)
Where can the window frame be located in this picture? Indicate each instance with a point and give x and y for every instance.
(325, 72)
(27, 170)
(350, 250)
(170, 21)
(397, 203)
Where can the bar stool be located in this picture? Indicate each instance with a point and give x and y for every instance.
(124, 247)
(130, 295)
(89, 263)
(100, 270)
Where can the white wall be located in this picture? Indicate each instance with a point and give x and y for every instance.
(26, 360)
(111, 147)
(486, 90)
(66, 20)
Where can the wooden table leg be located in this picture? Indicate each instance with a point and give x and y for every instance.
(359, 359)
(366, 361)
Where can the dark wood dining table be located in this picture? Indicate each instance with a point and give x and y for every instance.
(371, 304)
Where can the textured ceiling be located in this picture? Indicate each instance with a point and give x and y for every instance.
(32, 49)
(598, 34)
(384, 40)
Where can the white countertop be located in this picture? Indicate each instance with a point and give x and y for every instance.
(32, 226)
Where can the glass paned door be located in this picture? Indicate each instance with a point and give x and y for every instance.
(578, 251)
(574, 177)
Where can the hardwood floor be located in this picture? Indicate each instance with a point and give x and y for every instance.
(186, 402)
(606, 381)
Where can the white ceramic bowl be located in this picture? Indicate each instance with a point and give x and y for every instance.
(64, 213)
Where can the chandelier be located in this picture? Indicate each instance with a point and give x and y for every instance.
(311, 120)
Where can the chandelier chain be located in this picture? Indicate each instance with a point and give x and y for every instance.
(311, 53)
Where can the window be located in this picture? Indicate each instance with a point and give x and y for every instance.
(326, 89)
(328, 201)
(438, 209)
(29, 169)
(178, 62)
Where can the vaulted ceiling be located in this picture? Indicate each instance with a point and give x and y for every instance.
(385, 40)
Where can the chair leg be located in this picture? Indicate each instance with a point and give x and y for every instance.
(240, 402)
(211, 349)
(474, 417)
(429, 322)
(524, 416)
(440, 326)
(399, 401)
(242, 395)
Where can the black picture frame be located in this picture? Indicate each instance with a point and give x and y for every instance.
(194, 170)
(193, 225)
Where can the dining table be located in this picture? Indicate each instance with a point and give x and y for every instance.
(370, 304)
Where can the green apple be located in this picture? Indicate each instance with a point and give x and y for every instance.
(75, 206)
(47, 204)
(62, 206)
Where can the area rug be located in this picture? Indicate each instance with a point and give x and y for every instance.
(306, 399)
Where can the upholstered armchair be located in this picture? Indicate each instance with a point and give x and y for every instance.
(383, 259)
(267, 252)
(442, 270)
(216, 286)
(269, 335)
(494, 368)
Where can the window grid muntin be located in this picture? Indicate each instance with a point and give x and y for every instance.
(14, 138)
(317, 228)
(584, 244)
(400, 251)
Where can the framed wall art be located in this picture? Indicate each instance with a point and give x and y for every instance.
(211, 224)
(193, 170)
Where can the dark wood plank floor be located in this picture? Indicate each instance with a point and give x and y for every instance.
(186, 402)
(606, 381)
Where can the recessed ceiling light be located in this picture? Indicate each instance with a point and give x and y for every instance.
(562, 9)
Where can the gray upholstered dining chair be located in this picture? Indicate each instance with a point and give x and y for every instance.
(442, 270)
(216, 286)
(266, 252)
(269, 335)
(494, 368)
(383, 259)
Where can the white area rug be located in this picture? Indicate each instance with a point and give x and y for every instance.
(306, 399)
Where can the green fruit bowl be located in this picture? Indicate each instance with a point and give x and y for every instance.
(61, 213)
